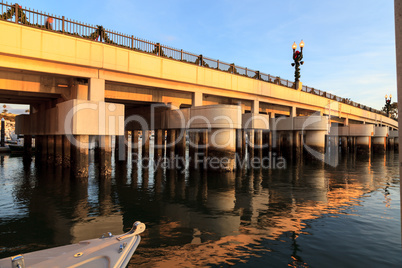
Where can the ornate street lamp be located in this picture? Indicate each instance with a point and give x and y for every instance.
(388, 103)
(297, 57)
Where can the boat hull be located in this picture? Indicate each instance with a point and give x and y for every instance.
(94, 253)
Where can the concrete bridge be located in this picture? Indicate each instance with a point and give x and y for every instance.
(78, 88)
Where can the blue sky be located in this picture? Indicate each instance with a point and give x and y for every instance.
(349, 45)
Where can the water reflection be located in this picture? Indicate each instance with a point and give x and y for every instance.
(193, 218)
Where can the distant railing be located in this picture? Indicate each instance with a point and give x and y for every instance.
(98, 33)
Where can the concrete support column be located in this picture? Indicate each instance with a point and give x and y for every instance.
(44, 148)
(180, 149)
(363, 145)
(38, 147)
(203, 145)
(221, 149)
(50, 149)
(239, 143)
(243, 142)
(134, 143)
(265, 142)
(197, 99)
(293, 111)
(27, 145)
(258, 143)
(297, 149)
(105, 156)
(315, 140)
(391, 143)
(95, 139)
(66, 152)
(159, 142)
(96, 90)
(344, 145)
(193, 146)
(120, 150)
(145, 144)
(58, 150)
(332, 143)
(255, 109)
(379, 144)
(286, 145)
(250, 144)
(171, 143)
(351, 144)
(80, 157)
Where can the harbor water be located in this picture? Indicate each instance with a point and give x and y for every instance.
(301, 214)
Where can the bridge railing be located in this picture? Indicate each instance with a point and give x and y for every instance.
(63, 25)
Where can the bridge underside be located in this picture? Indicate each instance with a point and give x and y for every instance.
(80, 88)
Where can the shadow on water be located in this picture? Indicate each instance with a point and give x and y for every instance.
(293, 216)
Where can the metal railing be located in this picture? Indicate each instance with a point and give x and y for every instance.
(63, 25)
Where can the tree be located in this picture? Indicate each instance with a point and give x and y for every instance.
(393, 110)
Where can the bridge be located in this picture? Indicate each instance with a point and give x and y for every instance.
(82, 81)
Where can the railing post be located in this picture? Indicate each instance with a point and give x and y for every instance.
(246, 71)
(217, 66)
(258, 74)
(62, 23)
(16, 13)
(132, 41)
(181, 54)
(200, 57)
(233, 67)
(159, 49)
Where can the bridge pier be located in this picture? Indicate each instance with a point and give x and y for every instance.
(180, 148)
(391, 144)
(159, 142)
(352, 144)
(171, 143)
(315, 140)
(27, 145)
(265, 143)
(221, 150)
(297, 143)
(258, 143)
(379, 140)
(50, 149)
(79, 154)
(239, 144)
(66, 151)
(363, 145)
(58, 150)
(344, 144)
(194, 138)
(250, 144)
(203, 148)
(379, 144)
(134, 143)
(286, 143)
(121, 148)
(145, 144)
(44, 148)
(104, 154)
(396, 144)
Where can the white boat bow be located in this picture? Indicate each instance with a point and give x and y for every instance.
(107, 251)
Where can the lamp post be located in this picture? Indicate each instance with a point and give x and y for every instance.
(388, 103)
(297, 57)
(3, 132)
